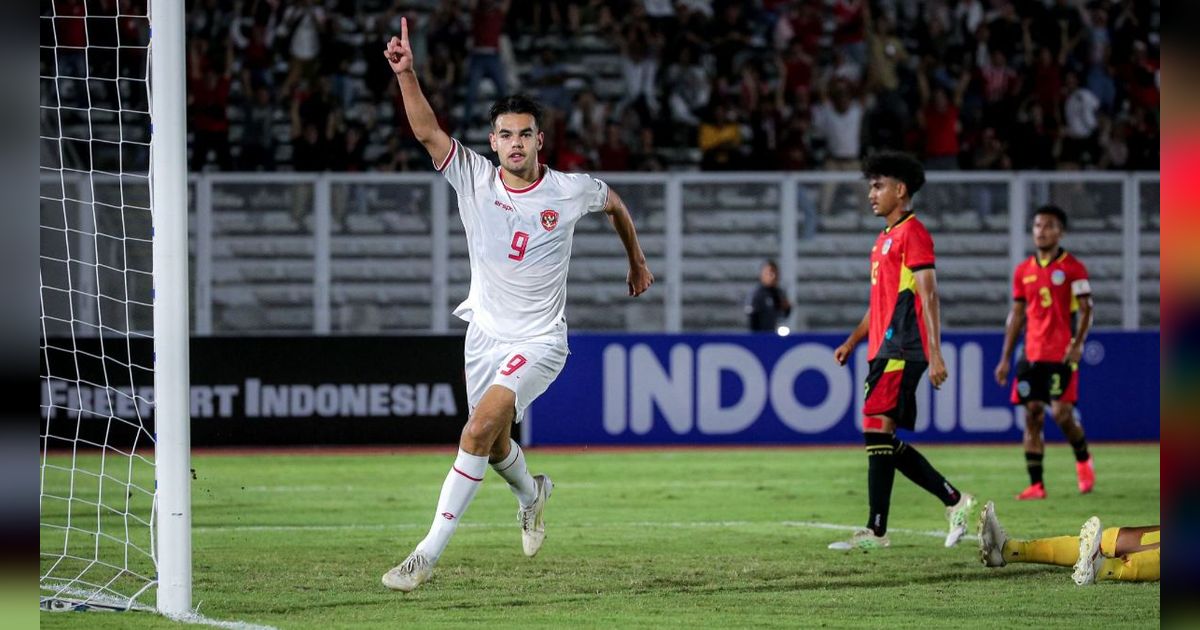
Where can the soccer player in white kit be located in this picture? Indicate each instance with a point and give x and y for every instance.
(519, 220)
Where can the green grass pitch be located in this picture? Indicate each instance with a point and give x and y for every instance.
(646, 539)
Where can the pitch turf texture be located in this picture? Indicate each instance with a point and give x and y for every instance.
(699, 538)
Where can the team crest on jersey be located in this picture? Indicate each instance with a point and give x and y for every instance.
(886, 246)
(1058, 277)
(549, 219)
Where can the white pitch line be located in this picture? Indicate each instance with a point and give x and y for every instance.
(198, 619)
(638, 524)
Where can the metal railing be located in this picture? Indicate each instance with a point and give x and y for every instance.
(383, 253)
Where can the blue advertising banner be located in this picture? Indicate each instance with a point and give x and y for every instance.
(765, 389)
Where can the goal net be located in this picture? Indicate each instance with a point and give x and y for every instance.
(114, 427)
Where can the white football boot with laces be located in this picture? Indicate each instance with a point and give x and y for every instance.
(533, 527)
(414, 571)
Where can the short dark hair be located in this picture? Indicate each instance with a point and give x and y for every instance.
(516, 104)
(896, 165)
(770, 262)
(1055, 212)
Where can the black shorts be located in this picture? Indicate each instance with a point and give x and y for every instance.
(1045, 381)
(892, 390)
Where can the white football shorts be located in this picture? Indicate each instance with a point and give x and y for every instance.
(527, 367)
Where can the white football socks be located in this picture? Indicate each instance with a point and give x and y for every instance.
(516, 473)
(459, 488)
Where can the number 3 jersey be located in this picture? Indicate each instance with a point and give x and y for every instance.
(1051, 293)
(519, 242)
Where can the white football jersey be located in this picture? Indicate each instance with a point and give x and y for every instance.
(519, 241)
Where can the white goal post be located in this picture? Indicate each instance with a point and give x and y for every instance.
(168, 185)
(115, 508)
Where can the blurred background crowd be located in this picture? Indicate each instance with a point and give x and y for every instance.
(644, 85)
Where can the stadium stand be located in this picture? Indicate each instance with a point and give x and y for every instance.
(967, 84)
(302, 86)
(380, 245)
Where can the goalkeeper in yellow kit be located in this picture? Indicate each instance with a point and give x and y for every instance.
(1118, 553)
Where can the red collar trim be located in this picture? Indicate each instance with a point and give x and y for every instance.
(528, 188)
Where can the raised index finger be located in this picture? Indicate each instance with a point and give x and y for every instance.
(404, 31)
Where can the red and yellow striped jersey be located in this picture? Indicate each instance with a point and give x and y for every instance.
(896, 328)
(1051, 293)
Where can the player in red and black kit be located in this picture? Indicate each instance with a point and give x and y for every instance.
(903, 326)
(1050, 288)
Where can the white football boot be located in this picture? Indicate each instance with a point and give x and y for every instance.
(957, 515)
(414, 571)
(862, 539)
(533, 527)
(1090, 559)
(991, 537)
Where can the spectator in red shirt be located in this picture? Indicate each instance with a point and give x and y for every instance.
(797, 72)
(1140, 77)
(198, 65)
(570, 157)
(938, 119)
(487, 26)
(1047, 80)
(1000, 86)
(254, 42)
(794, 152)
(613, 154)
(209, 105)
(849, 34)
(801, 24)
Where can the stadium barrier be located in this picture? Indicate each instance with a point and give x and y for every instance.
(615, 389)
(385, 253)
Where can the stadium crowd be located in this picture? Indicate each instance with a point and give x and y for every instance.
(660, 84)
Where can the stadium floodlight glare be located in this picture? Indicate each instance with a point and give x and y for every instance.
(115, 516)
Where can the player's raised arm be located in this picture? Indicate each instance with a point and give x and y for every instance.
(1012, 328)
(420, 115)
(927, 290)
(639, 278)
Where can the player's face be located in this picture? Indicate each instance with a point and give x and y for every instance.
(1047, 231)
(884, 194)
(767, 276)
(517, 140)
